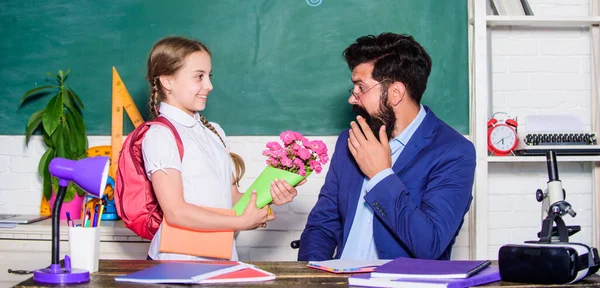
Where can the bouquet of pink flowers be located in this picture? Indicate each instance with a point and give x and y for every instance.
(297, 155)
(292, 162)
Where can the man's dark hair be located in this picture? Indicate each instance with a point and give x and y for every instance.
(395, 57)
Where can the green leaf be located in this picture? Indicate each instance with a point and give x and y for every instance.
(59, 141)
(69, 139)
(80, 191)
(55, 185)
(47, 186)
(53, 76)
(78, 133)
(54, 110)
(44, 161)
(47, 139)
(35, 91)
(70, 193)
(45, 173)
(60, 74)
(75, 97)
(68, 100)
(34, 122)
(66, 74)
(78, 119)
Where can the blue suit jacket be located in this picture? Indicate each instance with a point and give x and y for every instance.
(418, 211)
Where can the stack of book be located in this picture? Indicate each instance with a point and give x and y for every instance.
(408, 272)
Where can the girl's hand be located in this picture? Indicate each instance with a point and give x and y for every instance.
(282, 192)
(254, 217)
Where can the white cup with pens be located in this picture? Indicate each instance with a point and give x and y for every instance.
(84, 240)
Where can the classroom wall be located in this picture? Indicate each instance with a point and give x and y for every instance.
(543, 71)
(539, 71)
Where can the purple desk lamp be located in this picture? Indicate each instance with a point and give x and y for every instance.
(90, 174)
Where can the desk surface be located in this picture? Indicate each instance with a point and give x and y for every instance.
(289, 274)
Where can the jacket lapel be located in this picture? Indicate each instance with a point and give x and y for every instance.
(417, 142)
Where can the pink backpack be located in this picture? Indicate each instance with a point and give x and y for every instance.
(134, 197)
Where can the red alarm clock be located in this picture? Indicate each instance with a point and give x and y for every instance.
(502, 135)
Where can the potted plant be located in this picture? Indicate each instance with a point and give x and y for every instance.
(64, 135)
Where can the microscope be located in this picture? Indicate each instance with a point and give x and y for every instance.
(554, 206)
(551, 259)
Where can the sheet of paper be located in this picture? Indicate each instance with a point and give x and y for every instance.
(554, 124)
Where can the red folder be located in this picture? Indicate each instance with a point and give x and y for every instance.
(250, 274)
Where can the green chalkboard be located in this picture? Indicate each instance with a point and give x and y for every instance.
(277, 64)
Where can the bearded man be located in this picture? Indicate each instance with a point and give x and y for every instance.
(400, 179)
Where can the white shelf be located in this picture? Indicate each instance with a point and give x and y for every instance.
(521, 159)
(552, 21)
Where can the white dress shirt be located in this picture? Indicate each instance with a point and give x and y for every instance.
(206, 167)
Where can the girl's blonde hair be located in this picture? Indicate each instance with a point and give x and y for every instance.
(166, 58)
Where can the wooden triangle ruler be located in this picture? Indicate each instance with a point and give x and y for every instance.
(120, 100)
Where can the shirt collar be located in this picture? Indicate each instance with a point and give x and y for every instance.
(407, 133)
(178, 116)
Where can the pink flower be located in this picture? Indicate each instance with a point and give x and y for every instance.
(302, 171)
(297, 155)
(304, 153)
(298, 163)
(274, 146)
(318, 147)
(285, 161)
(315, 166)
(323, 160)
(288, 137)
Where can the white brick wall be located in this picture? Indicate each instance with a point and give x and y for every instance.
(539, 71)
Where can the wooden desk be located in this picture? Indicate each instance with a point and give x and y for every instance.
(289, 274)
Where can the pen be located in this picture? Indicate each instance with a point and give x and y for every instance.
(95, 222)
(101, 212)
(87, 219)
(69, 221)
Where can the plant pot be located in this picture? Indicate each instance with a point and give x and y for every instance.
(73, 207)
(262, 185)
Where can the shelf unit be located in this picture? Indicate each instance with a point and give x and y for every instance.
(481, 93)
(522, 159)
(538, 21)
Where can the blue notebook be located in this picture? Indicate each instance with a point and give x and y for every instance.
(487, 275)
(424, 268)
(182, 272)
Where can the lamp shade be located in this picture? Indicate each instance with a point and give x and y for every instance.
(88, 173)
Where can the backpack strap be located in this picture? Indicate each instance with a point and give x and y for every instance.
(165, 122)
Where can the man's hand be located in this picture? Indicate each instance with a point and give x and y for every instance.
(371, 155)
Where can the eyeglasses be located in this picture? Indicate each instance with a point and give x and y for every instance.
(357, 95)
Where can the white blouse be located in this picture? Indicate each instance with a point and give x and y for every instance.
(206, 168)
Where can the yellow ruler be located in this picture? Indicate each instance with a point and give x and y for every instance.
(120, 100)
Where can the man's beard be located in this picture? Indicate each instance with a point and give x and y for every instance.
(385, 116)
